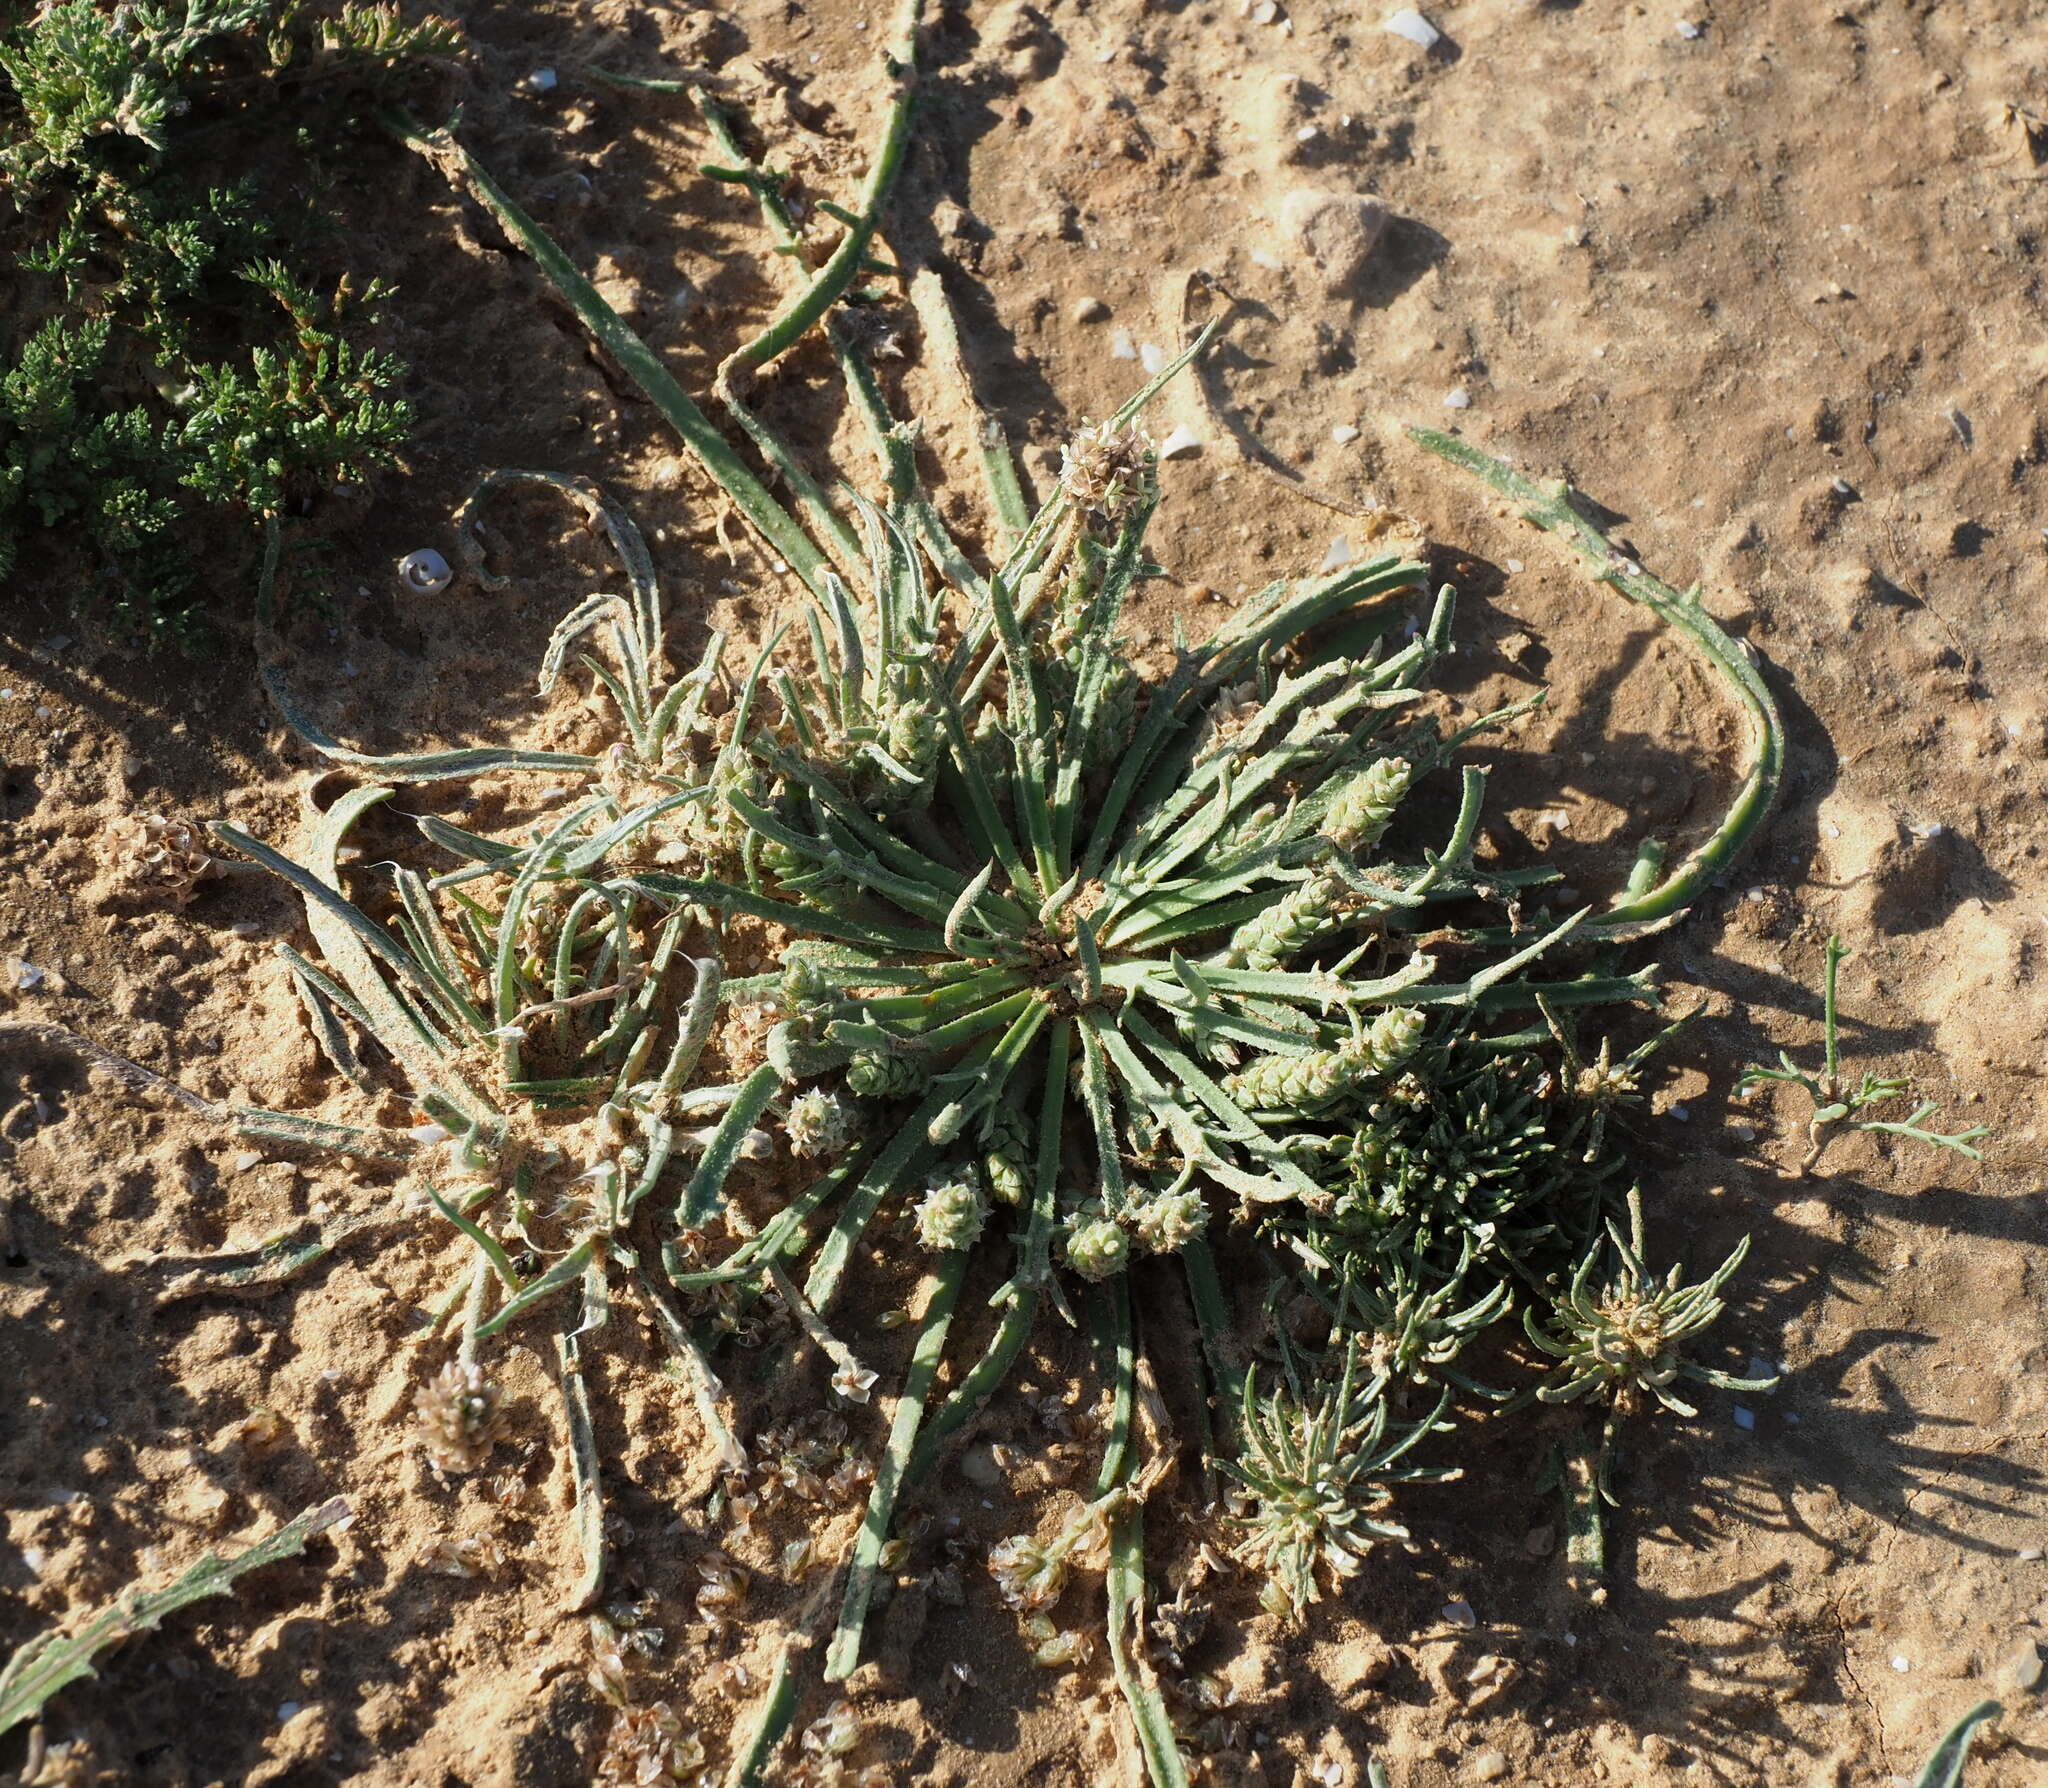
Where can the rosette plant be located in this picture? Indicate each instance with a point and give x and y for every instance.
(1081, 958)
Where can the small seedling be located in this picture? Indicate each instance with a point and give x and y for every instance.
(1836, 1104)
(1622, 1338)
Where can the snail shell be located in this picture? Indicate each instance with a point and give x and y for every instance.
(425, 572)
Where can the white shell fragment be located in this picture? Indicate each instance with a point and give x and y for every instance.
(542, 80)
(1343, 434)
(425, 572)
(1460, 399)
(1180, 444)
(1414, 27)
(1687, 30)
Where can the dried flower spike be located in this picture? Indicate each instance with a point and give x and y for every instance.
(1109, 471)
(152, 852)
(460, 1421)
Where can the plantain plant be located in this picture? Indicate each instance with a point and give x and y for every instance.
(1077, 967)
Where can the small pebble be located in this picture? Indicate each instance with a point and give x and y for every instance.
(542, 80)
(1339, 555)
(1459, 1614)
(1489, 1766)
(1265, 12)
(1514, 565)
(1460, 399)
(2024, 1669)
(1338, 231)
(1181, 444)
(1090, 310)
(1901, 1663)
(2029, 1553)
(1343, 434)
(1410, 24)
(979, 1467)
(1745, 1419)
(1152, 358)
(1121, 347)
(1686, 29)
(1540, 1542)
(27, 977)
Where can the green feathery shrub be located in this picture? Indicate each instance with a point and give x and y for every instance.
(166, 366)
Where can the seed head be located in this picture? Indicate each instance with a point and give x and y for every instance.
(950, 1216)
(155, 853)
(1006, 1177)
(1109, 471)
(1364, 805)
(1288, 926)
(818, 1124)
(874, 1075)
(1027, 1576)
(1164, 1225)
(913, 734)
(459, 1418)
(1097, 1248)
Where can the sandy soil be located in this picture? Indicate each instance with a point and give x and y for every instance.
(1765, 279)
